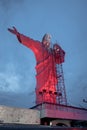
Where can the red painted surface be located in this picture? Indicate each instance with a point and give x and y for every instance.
(58, 111)
(46, 60)
(46, 69)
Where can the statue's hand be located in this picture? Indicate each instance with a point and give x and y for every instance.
(14, 31)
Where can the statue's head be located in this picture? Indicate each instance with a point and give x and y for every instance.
(46, 40)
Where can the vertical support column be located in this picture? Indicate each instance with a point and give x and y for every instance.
(61, 97)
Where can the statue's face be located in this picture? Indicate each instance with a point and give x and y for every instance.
(46, 40)
(46, 44)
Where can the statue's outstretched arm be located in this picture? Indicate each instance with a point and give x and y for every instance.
(14, 31)
(27, 41)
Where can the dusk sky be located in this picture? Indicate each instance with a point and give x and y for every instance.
(66, 21)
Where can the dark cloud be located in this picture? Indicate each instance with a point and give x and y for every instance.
(17, 100)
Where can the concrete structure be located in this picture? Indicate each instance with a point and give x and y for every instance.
(56, 113)
(63, 112)
(19, 115)
(42, 114)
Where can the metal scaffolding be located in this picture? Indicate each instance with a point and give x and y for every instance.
(61, 96)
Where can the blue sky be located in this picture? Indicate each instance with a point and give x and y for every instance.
(66, 21)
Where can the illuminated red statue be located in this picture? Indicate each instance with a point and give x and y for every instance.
(46, 60)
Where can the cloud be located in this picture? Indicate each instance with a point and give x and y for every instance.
(15, 89)
(17, 100)
(9, 79)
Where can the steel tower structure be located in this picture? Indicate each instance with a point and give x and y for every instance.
(61, 91)
(61, 98)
